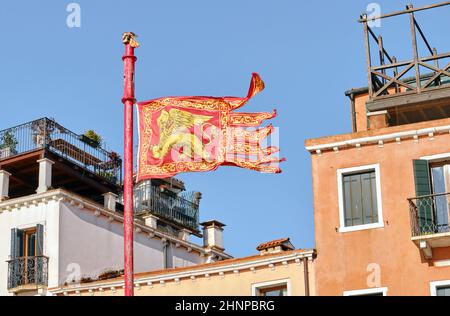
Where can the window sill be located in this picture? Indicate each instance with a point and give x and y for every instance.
(360, 227)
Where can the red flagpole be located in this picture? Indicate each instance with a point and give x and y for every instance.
(128, 100)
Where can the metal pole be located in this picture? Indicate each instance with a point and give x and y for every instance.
(128, 100)
(306, 276)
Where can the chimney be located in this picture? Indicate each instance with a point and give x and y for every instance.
(213, 235)
(109, 201)
(275, 246)
(4, 185)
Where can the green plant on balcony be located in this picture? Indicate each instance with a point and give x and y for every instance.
(92, 138)
(8, 145)
(109, 175)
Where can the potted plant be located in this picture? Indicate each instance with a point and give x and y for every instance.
(115, 158)
(8, 145)
(108, 175)
(42, 131)
(92, 138)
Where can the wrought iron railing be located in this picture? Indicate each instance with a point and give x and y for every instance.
(181, 208)
(27, 271)
(429, 214)
(48, 134)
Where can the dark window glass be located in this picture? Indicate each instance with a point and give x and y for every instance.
(31, 245)
(371, 294)
(443, 291)
(439, 186)
(274, 291)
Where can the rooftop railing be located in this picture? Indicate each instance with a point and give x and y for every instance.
(387, 76)
(179, 208)
(47, 134)
(430, 214)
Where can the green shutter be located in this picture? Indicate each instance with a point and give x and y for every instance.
(423, 187)
(39, 240)
(422, 177)
(16, 252)
(14, 243)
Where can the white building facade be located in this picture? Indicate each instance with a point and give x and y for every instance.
(59, 224)
(79, 240)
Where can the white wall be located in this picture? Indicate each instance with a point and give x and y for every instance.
(79, 243)
(25, 217)
(181, 258)
(89, 245)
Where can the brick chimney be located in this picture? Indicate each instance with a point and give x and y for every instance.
(213, 235)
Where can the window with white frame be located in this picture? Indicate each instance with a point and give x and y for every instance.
(359, 198)
(440, 288)
(382, 291)
(272, 288)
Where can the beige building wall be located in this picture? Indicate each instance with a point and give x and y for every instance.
(230, 277)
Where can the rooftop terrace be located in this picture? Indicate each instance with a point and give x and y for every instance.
(81, 165)
(410, 90)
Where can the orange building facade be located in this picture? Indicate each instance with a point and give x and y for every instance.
(381, 192)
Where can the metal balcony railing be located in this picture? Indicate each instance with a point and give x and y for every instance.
(430, 214)
(181, 209)
(27, 271)
(48, 134)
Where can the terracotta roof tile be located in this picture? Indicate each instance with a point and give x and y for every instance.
(273, 243)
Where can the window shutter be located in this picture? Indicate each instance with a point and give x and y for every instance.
(422, 177)
(423, 187)
(16, 247)
(39, 240)
(14, 243)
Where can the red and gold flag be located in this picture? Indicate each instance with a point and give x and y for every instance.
(193, 134)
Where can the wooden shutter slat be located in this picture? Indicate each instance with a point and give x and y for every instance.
(422, 181)
(14, 243)
(39, 240)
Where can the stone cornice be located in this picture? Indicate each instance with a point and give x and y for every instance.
(380, 139)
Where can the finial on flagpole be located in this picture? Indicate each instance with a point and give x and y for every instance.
(130, 38)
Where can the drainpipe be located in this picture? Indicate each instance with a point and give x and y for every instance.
(353, 111)
(306, 276)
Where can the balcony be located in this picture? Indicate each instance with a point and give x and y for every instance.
(49, 135)
(80, 165)
(430, 222)
(180, 209)
(27, 273)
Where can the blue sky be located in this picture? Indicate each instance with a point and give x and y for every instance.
(308, 53)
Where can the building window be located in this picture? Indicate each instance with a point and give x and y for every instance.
(440, 288)
(443, 291)
(27, 265)
(167, 256)
(432, 180)
(368, 292)
(359, 198)
(27, 242)
(274, 291)
(273, 288)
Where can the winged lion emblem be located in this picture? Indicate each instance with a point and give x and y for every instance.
(174, 128)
